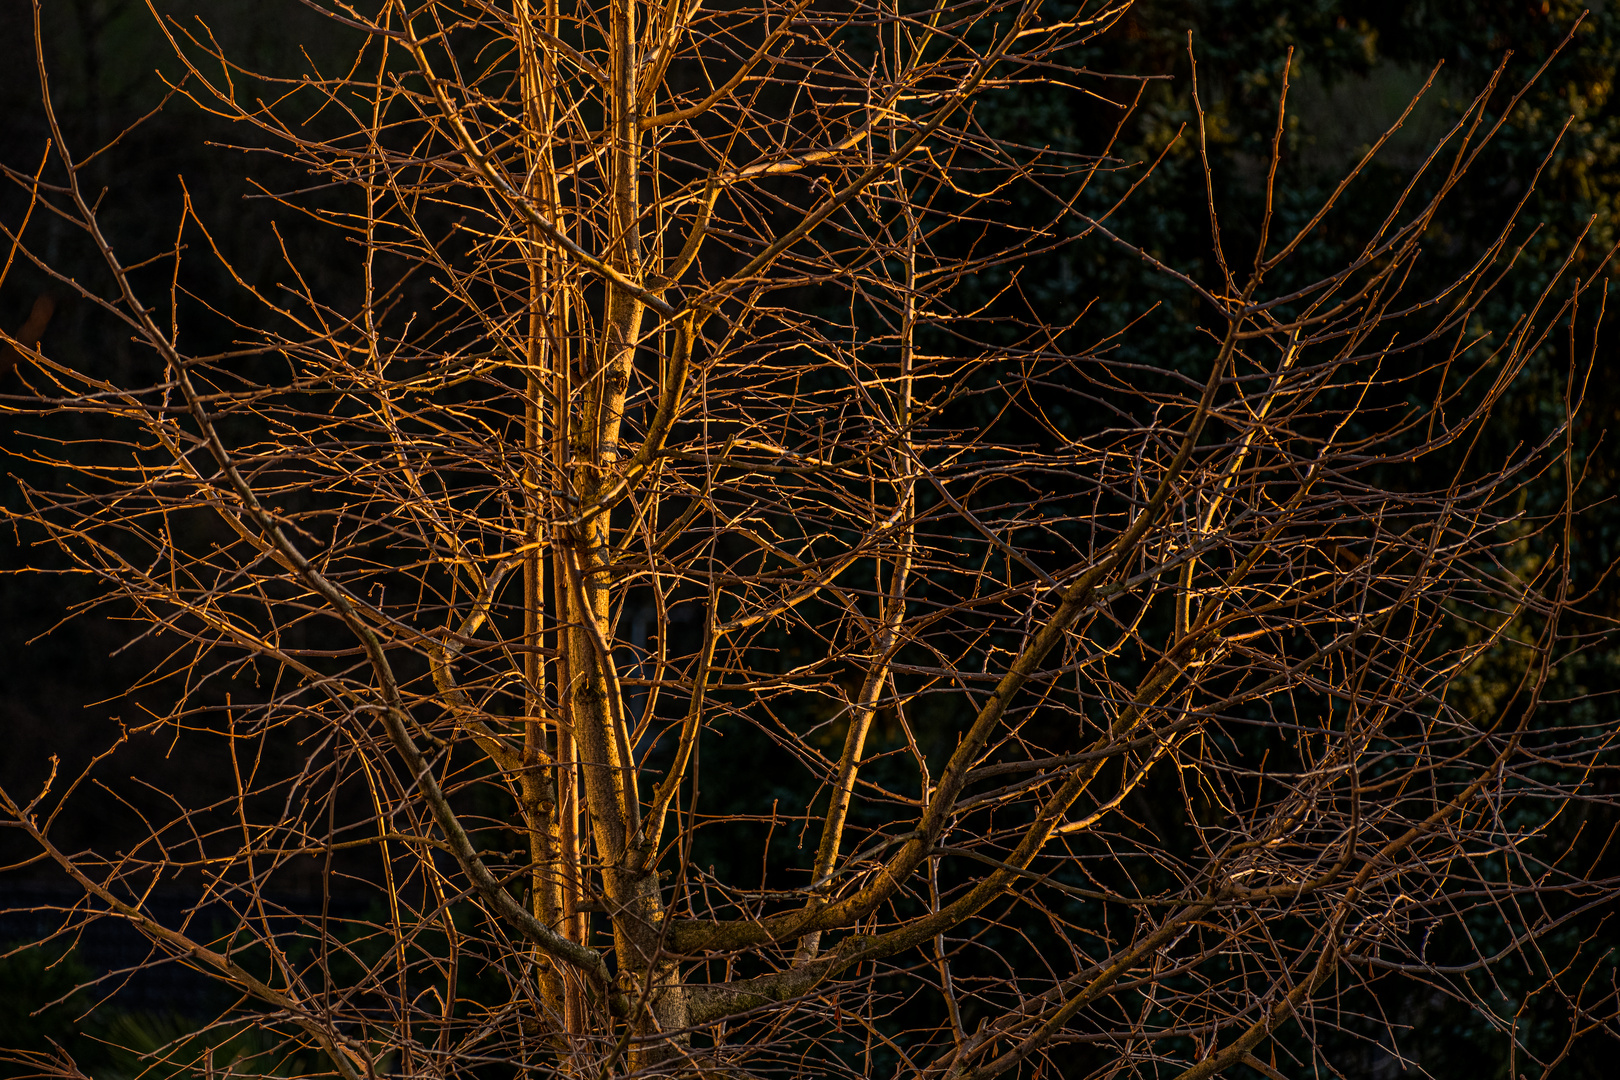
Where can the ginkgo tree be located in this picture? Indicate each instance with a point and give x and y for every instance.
(679, 395)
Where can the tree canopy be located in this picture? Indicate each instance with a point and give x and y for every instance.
(953, 540)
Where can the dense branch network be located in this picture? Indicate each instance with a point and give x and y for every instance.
(680, 401)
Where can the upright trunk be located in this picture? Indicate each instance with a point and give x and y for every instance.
(597, 704)
(538, 784)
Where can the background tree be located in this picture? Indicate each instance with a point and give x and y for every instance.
(681, 403)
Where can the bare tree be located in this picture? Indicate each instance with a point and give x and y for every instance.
(680, 391)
